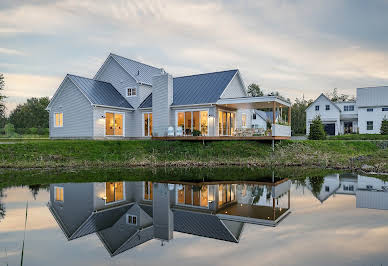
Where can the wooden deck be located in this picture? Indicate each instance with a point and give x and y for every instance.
(216, 138)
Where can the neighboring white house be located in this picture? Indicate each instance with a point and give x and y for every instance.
(127, 98)
(363, 116)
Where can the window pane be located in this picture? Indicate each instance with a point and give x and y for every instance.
(196, 195)
(150, 123)
(204, 196)
(233, 192)
(220, 193)
(146, 125)
(181, 120)
(204, 118)
(188, 123)
(220, 123)
(109, 127)
(229, 192)
(146, 192)
(118, 124)
(196, 120)
(224, 124)
(110, 192)
(225, 194)
(233, 124)
(181, 195)
(119, 192)
(244, 120)
(151, 190)
(228, 123)
(134, 92)
(134, 219)
(188, 200)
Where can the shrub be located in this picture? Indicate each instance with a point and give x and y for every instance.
(33, 130)
(196, 133)
(316, 129)
(384, 126)
(43, 131)
(9, 130)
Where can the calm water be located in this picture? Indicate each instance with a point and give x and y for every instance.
(335, 220)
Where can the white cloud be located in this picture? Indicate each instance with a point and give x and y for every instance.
(10, 51)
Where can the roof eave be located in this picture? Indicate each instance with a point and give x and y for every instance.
(113, 107)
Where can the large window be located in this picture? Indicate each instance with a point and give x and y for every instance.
(226, 193)
(226, 123)
(113, 124)
(193, 195)
(148, 191)
(147, 124)
(191, 121)
(58, 119)
(58, 194)
(114, 191)
(369, 125)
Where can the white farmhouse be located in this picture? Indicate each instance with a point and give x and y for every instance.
(363, 115)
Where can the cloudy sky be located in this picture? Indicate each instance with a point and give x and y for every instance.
(300, 47)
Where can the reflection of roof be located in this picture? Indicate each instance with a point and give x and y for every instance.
(206, 225)
(95, 222)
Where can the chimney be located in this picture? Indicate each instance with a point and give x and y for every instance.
(162, 97)
(162, 215)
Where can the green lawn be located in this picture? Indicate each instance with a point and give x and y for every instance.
(359, 137)
(337, 154)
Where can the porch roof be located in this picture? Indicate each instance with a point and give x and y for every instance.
(253, 102)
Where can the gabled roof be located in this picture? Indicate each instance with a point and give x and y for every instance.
(142, 73)
(147, 103)
(202, 88)
(324, 96)
(100, 92)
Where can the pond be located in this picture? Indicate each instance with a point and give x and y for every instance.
(335, 219)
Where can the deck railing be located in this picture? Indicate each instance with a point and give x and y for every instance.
(281, 130)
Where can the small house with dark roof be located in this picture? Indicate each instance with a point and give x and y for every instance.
(128, 99)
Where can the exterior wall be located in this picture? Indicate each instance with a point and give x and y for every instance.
(259, 122)
(113, 73)
(162, 97)
(99, 193)
(99, 122)
(376, 116)
(77, 113)
(239, 114)
(329, 116)
(235, 88)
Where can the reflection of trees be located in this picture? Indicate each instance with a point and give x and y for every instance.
(256, 192)
(316, 184)
(35, 189)
(2, 207)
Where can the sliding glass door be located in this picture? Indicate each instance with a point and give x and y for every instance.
(193, 121)
(114, 124)
(226, 123)
(193, 195)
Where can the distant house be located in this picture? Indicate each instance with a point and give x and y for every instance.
(127, 98)
(363, 115)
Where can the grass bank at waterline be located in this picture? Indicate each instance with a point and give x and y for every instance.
(366, 155)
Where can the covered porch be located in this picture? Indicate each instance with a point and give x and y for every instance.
(233, 119)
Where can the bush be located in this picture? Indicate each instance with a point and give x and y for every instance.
(33, 130)
(9, 130)
(384, 126)
(43, 131)
(316, 129)
(196, 133)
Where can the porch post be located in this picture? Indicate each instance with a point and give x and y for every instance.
(274, 112)
(289, 116)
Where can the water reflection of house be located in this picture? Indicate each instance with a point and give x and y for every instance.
(328, 188)
(370, 192)
(127, 214)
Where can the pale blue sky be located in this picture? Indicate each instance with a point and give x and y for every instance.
(296, 47)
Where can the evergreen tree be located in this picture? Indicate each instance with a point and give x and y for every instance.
(2, 101)
(316, 129)
(384, 126)
(255, 90)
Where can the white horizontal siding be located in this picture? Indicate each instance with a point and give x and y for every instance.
(235, 88)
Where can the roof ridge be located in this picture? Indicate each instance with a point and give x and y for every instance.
(206, 73)
(373, 87)
(89, 78)
(135, 61)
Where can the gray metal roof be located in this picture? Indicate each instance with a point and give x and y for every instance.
(147, 103)
(100, 220)
(202, 88)
(142, 73)
(202, 224)
(99, 92)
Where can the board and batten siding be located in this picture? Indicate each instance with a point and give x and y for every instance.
(77, 113)
(113, 73)
(235, 88)
(162, 96)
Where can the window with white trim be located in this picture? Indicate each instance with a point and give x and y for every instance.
(327, 107)
(58, 120)
(385, 109)
(369, 125)
(131, 92)
(369, 109)
(349, 108)
(243, 120)
(317, 108)
(254, 116)
(59, 194)
(131, 219)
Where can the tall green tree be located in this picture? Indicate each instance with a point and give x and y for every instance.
(334, 96)
(255, 90)
(2, 207)
(316, 129)
(298, 116)
(384, 126)
(31, 114)
(2, 101)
